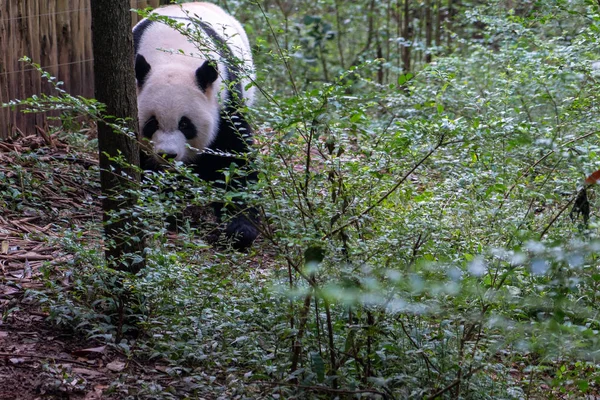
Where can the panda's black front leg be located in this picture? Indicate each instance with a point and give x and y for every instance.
(243, 221)
(242, 226)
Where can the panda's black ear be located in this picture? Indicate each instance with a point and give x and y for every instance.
(206, 75)
(141, 69)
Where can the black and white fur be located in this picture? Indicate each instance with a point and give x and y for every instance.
(190, 95)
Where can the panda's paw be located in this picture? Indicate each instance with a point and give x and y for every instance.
(241, 232)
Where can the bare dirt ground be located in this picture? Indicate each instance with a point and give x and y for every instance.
(38, 361)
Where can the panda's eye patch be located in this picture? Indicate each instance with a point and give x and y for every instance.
(187, 128)
(150, 127)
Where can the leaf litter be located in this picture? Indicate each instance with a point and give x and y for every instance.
(36, 360)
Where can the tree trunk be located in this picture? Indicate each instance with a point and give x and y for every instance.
(428, 31)
(438, 24)
(407, 37)
(112, 42)
(449, 27)
(340, 33)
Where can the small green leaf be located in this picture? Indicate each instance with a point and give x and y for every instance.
(356, 117)
(318, 366)
(402, 79)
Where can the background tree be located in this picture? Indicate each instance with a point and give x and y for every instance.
(115, 87)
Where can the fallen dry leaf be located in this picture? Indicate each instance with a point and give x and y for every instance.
(87, 352)
(97, 393)
(161, 368)
(8, 290)
(86, 372)
(116, 366)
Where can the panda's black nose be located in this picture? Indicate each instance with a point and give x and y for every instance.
(168, 156)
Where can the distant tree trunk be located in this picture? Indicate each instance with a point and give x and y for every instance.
(399, 46)
(449, 26)
(340, 33)
(428, 31)
(438, 24)
(380, 68)
(388, 36)
(406, 36)
(115, 86)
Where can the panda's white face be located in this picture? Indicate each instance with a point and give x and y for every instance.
(175, 114)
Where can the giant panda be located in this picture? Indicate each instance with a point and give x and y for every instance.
(190, 96)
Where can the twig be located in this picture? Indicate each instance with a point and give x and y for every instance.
(453, 384)
(557, 215)
(418, 243)
(30, 257)
(297, 346)
(29, 355)
(28, 219)
(137, 363)
(387, 194)
(528, 169)
(44, 136)
(425, 358)
(333, 366)
(280, 51)
(86, 163)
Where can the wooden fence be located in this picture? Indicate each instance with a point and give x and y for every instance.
(55, 34)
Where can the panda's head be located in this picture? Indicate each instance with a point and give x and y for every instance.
(177, 107)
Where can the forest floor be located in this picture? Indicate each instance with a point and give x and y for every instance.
(47, 187)
(38, 361)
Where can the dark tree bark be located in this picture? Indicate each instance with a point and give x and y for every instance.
(340, 33)
(406, 34)
(112, 41)
(438, 23)
(449, 27)
(428, 31)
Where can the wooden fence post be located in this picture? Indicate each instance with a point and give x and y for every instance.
(55, 34)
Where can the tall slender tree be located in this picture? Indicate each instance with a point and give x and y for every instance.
(428, 31)
(406, 35)
(112, 42)
(450, 12)
(438, 23)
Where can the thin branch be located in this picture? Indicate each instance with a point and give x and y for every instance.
(45, 357)
(331, 342)
(425, 358)
(387, 194)
(453, 384)
(288, 68)
(535, 164)
(297, 346)
(557, 215)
